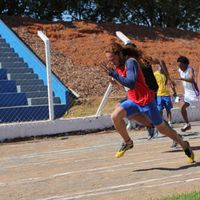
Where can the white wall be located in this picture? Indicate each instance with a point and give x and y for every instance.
(84, 124)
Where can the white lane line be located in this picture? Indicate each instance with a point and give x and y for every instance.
(117, 188)
(152, 165)
(97, 170)
(88, 195)
(63, 151)
(73, 150)
(173, 182)
(66, 160)
(162, 140)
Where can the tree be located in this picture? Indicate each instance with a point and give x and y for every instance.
(153, 13)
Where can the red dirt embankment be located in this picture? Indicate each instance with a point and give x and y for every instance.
(77, 49)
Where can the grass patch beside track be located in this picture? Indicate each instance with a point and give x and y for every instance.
(89, 107)
(188, 196)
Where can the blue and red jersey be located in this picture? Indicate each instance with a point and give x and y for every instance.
(131, 76)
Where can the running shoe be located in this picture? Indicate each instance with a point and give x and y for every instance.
(174, 143)
(186, 128)
(170, 124)
(129, 125)
(153, 132)
(189, 153)
(124, 148)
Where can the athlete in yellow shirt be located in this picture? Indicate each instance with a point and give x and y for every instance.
(163, 95)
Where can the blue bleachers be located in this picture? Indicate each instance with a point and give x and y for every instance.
(3, 74)
(13, 99)
(7, 86)
(29, 113)
(23, 95)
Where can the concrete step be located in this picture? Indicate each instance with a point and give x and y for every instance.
(42, 101)
(4, 45)
(31, 88)
(30, 82)
(2, 40)
(16, 70)
(11, 59)
(22, 76)
(8, 54)
(35, 94)
(6, 49)
(12, 65)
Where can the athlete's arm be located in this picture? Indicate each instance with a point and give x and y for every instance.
(131, 74)
(164, 68)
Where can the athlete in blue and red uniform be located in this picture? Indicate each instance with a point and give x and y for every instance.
(140, 99)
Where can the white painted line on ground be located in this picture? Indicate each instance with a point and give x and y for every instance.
(89, 195)
(163, 140)
(117, 188)
(173, 182)
(124, 167)
(98, 170)
(89, 148)
(31, 162)
(63, 151)
(28, 163)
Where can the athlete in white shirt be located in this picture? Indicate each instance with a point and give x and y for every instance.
(191, 92)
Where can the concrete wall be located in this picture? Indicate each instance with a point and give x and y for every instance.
(83, 124)
(79, 124)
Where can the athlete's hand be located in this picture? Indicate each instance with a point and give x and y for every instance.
(105, 67)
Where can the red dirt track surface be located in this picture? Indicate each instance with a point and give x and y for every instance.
(77, 49)
(84, 168)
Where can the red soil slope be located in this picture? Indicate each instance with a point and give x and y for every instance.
(77, 49)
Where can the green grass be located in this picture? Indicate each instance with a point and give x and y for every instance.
(188, 196)
(90, 106)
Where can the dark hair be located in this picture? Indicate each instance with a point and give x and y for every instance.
(184, 60)
(132, 51)
(116, 48)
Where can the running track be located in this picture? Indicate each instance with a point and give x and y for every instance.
(83, 167)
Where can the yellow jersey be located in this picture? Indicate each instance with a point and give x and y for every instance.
(162, 87)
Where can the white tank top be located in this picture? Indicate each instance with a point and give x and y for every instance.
(188, 86)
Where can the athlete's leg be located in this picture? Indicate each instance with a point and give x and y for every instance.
(118, 119)
(141, 118)
(169, 132)
(168, 107)
(169, 116)
(163, 128)
(187, 126)
(184, 112)
(166, 130)
(124, 110)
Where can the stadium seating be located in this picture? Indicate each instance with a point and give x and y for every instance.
(23, 96)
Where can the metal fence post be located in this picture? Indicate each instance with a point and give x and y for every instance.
(103, 101)
(48, 68)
